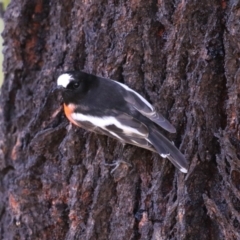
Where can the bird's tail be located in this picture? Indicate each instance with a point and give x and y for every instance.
(166, 149)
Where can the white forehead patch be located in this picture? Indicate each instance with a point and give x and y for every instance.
(64, 79)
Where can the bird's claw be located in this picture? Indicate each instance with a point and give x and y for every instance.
(117, 164)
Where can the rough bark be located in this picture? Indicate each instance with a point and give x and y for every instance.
(183, 56)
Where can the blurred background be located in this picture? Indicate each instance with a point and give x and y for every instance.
(3, 6)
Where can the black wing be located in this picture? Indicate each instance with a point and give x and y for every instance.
(118, 125)
(145, 108)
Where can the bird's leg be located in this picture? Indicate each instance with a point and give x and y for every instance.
(117, 163)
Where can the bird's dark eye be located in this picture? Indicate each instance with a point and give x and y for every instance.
(75, 85)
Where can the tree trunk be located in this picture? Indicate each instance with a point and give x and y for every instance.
(184, 58)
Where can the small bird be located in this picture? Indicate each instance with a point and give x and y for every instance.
(111, 108)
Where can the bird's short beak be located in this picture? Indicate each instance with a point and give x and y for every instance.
(58, 88)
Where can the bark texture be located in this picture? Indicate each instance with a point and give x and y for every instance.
(183, 56)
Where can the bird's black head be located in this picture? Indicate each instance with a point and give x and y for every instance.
(74, 85)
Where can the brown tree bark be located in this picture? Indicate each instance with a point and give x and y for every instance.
(183, 56)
